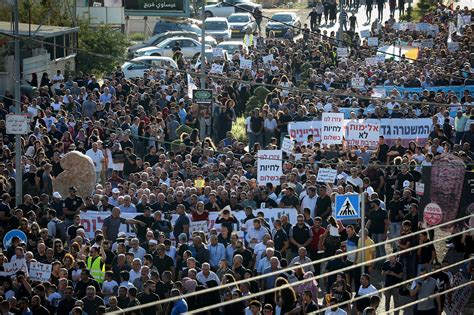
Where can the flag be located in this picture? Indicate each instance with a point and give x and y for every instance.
(460, 23)
(451, 30)
(191, 86)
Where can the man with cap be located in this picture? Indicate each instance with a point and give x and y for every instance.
(73, 205)
(113, 200)
(57, 204)
(289, 199)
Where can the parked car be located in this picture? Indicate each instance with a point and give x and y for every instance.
(240, 23)
(189, 47)
(231, 46)
(217, 27)
(164, 26)
(138, 66)
(228, 7)
(158, 38)
(282, 21)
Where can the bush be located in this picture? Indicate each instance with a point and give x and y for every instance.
(252, 103)
(137, 37)
(261, 93)
(239, 131)
(182, 129)
(175, 145)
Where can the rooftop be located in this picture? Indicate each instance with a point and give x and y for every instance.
(44, 31)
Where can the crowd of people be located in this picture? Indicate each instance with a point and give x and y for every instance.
(167, 162)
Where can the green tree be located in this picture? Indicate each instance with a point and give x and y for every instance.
(43, 12)
(96, 41)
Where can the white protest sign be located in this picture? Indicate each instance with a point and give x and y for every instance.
(456, 300)
(373, 41)
(267, 58)
(216, 68)
(358, 82)
(287, 145)
(217, 52)
(245, 64)
(379, 92)
(326, 175)
(269, 166)
(467, 19)
(427, 43)
(364, 33)
(11, 268)
(453, 46)
(300, 130)
(17, 124)
(362, 134)
(40, 272)
(197, 226)
(342, 52)
(371, 61)
(331, 128)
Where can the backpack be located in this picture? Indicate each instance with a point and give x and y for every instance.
(61, 230)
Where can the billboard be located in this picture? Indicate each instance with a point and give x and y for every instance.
(157, 7)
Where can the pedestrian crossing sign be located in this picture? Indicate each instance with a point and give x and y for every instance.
(347, 207)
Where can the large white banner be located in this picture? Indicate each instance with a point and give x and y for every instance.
(96, 219)
(362, 134)
(40, 272)
(332, 128)
(300, 130)
(269, 165)
(455, 301)
(417, 129)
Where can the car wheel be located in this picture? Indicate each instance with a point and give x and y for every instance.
(208, 14)
(155, 54)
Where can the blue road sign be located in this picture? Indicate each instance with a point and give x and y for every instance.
(7, 239)
(347, 207)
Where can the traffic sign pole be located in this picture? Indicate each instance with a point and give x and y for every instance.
(362, 231)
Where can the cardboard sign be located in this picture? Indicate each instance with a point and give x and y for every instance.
(11, 268)
(373, 41)
(358, 83)
(17, 124)
(287, 145)
(216, 68)
(269, 165)
(432, 215)
(40, 272)
(197, 226)
(267, 58)
(245, 64)
(326, 175)
(342, 52)
(217, 52)
(331, 128)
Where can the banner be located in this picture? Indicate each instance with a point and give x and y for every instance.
(269, 165)
(197, 226)
(300, 130)
(11, 268)
(457, 90)
(217, 68)
(326, 175)
(342, 52)
(331, 128)
(40, 272)
(417, 129)
(270, 215)
(456, 300)
(362, 134)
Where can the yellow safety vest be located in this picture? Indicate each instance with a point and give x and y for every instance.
(96, 268)
(248, 40)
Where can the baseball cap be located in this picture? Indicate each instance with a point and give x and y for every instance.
(406, 184)
(57, 195)
(115, 191)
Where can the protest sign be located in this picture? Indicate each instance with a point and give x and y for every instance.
(326, 175)
(456, 300)
(379, 92)
(199, 183)
(269, 165)
(216, 68)
(364, 33)
(426, 43)
(453, 46)
(245, 63)
(40, 272)
(373, 41)
(11, 268)
(362, 134)
(408, 130)
(358, 82)
(342, 52)
(267, 58)
(217, 52)
(287, 145)
(371, 61)
(300, 130)
(197, 226)
(331, 128)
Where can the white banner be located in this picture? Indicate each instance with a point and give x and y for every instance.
(417, 129)
(358, 82)
(245, 63)
(342, 52)
(198, 226)
(11, 268)
(326, 175)
(379, 92)
(217, 68)
(269, 165)
(300, 130)
(362, 134)
(373, 41)
(267, 58)
(331, 128)
(456, 300)
(287, 145)
(40, 272)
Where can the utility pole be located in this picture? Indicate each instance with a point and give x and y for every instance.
(339, 35)
(362, 230)
(203, 46)
(18, 167)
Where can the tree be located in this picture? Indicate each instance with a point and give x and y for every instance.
(44, 12)
(101, 40)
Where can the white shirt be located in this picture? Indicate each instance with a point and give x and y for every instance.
(309, 203)
(97, 157)
(134, 275)
(355, 181)
(336, 312)
(270, 124)
(370, 290)
(201, 278)
(108, 287)
(59, 78)
(258, 250)
(256, 234)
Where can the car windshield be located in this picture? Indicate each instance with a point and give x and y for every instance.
(229, 47)
(215, 25)
(282, 18)
(238, 18)
(150, 41)
(164, 43)
(193, 28)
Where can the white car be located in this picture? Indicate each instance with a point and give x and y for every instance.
(228, 7)
(188, 46)
(138, 66)
(217, 27)
(232, 46)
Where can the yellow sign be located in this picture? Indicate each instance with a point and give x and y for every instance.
(199, 183)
